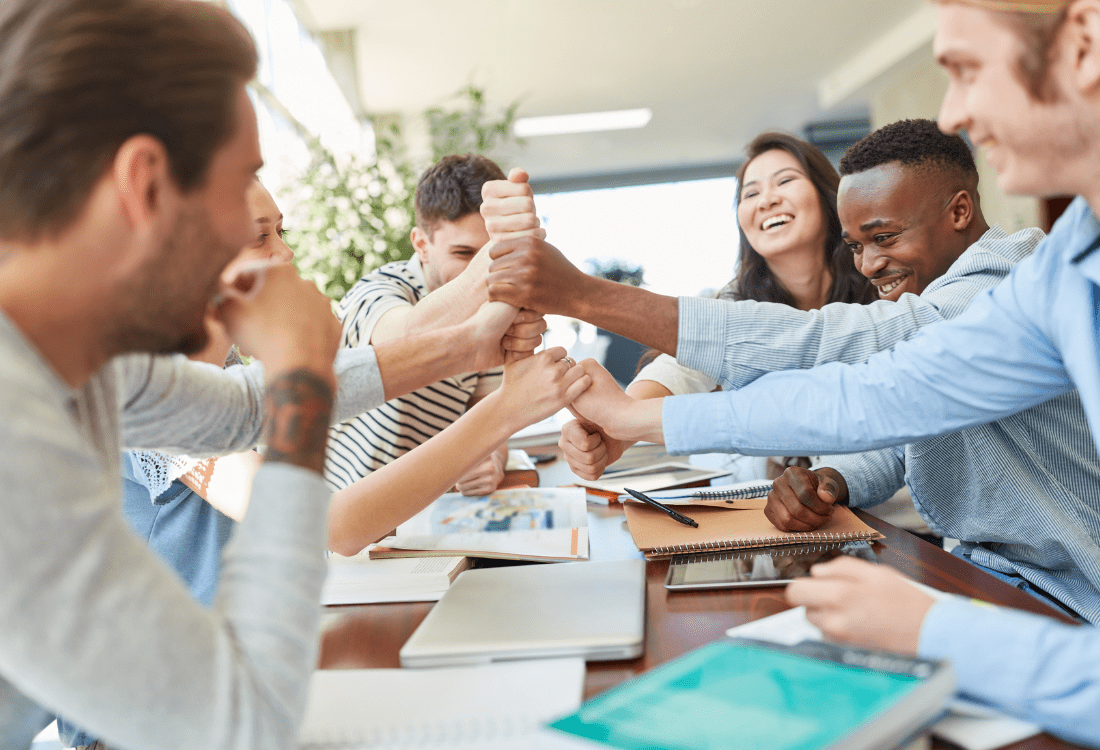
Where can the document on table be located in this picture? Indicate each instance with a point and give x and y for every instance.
(487, 707)
(544, 524)
(969, 725)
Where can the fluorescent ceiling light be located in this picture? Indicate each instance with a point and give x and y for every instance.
(585, 122)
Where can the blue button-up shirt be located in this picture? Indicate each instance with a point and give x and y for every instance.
(1022, 493)
(1034, 337)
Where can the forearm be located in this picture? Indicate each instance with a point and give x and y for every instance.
(987, 364)
(640, 420)
(668, 377)
(451, 303)
(376, 504)
(736, 342)
(416, 361)
(640, 315)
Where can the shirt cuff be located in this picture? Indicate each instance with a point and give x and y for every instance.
(696, 423)
(989, 647)
(701, 335)
(359, 382)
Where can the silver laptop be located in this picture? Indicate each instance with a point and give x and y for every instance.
(595, 610)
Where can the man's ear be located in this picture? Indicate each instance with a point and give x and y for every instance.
(961, 210)
(142, 173)
(420, 241)
(1079, 37)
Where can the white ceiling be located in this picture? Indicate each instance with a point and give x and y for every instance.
(714, 72)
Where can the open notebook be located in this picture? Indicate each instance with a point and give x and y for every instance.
(540, 524)
(657, 535)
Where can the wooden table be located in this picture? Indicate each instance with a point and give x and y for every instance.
(676, 622)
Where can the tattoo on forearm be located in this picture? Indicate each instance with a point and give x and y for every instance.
(299, 408)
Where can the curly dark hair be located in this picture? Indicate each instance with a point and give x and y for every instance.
(755, 280)
(916, 144)
(451, 189)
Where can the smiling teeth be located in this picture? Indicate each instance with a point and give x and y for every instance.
(777, 221)
(887, 288)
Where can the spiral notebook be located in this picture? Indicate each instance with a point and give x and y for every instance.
(658, 536)
(751, 494)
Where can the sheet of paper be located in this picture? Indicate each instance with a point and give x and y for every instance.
(497, 705)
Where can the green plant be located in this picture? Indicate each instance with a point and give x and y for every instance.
(467, 129)
(353, 215)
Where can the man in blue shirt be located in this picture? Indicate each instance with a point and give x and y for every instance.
(1025, 84)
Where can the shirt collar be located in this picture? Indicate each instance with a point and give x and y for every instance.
(416, 271)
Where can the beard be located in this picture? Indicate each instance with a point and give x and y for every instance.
(172, 290)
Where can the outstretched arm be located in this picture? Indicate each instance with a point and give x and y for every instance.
(533, 274)
(737, 342)
(533, 389)
(494, 335)
(458, 299)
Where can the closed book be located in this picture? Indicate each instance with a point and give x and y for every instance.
(361, 580)
(658, 535)
(747, 694)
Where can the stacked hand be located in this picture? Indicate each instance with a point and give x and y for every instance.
(500, 334)
(604, 407)
(508, 207)
(525, 271)
(588, 449)
(541, 385)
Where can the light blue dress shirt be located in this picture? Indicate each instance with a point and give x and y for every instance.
(1034, 337)
(1022, 493)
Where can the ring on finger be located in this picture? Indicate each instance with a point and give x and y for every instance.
(568, 361)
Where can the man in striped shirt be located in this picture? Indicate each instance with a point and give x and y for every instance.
(439, 286)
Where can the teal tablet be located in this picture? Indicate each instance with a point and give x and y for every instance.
(745, 694)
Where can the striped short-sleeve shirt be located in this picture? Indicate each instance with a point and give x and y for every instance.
(373, 439)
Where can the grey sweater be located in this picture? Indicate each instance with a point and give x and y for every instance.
(92, 624)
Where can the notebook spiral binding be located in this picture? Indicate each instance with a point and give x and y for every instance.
(756, 490)
(764, 541)
(748, 553)
(459, 731)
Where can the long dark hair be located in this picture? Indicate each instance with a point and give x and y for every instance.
(755, 280)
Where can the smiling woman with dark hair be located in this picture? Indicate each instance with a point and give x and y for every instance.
(791, 246)
(792, 253)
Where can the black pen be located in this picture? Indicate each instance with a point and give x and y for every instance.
(661, 506)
